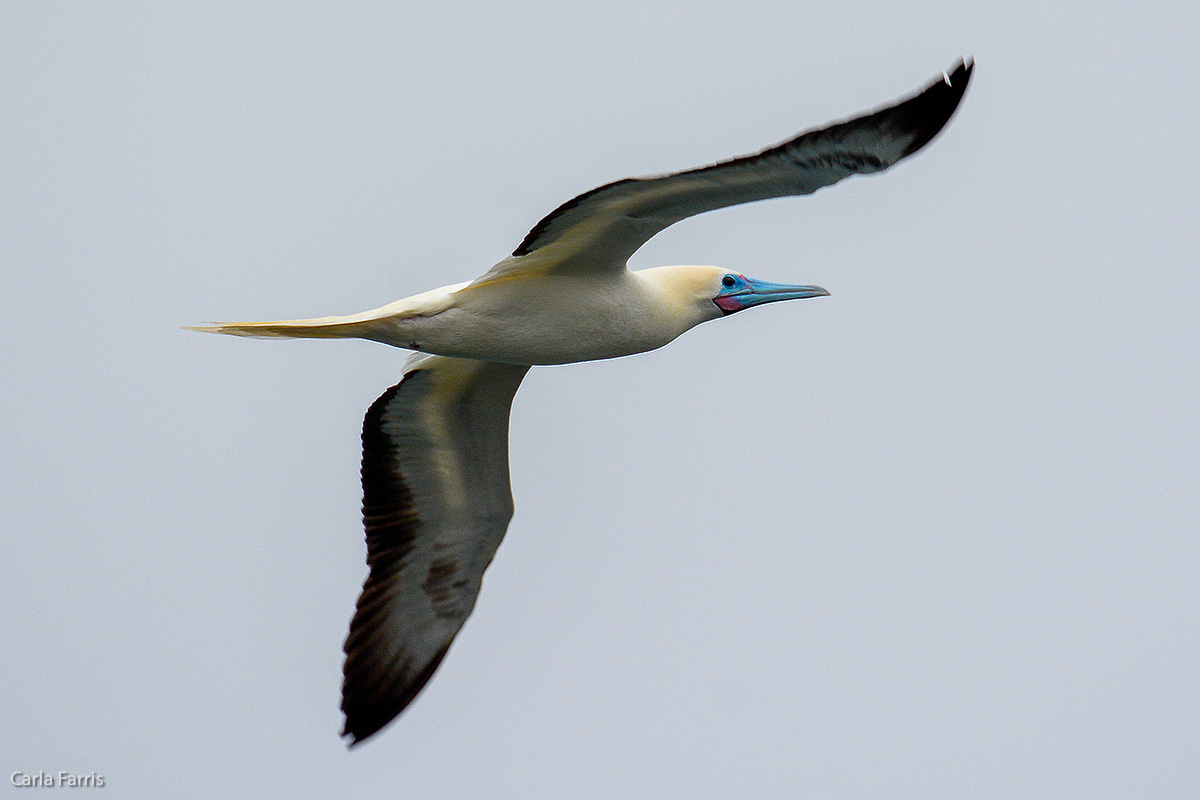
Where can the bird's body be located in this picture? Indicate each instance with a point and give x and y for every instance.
(436, 498)
(529, 319)
(564, 318)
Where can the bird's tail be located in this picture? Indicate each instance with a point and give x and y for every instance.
(353, 326)
(379, 324)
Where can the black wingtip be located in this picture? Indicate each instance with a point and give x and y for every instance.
(930, 110)
(369, 710)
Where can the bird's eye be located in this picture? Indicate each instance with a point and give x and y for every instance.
(728, 280)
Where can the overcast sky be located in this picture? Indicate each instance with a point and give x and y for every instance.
(937, 535)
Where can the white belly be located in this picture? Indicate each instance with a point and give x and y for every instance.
(550, 320)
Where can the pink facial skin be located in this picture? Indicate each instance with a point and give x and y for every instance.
(729, 303)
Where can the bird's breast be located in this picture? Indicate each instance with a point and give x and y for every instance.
(550, 320)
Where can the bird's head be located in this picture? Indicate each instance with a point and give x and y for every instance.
(711, 292)
(737, 292)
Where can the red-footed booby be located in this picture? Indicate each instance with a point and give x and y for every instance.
(436, 496)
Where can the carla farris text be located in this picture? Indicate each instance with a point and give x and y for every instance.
(41, 779)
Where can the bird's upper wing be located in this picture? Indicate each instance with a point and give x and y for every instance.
(602, 228)
(436, 503)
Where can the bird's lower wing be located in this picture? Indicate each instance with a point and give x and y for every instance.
(602, 228)
(436, 503)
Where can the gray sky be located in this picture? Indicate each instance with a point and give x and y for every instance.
(933, 536)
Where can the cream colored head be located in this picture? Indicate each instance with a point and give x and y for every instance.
(701, 293)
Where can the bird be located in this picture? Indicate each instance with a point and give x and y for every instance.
(435, 474)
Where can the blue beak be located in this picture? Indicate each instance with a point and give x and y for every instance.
(750, 292)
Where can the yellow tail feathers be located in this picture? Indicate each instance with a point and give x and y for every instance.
(320, 328)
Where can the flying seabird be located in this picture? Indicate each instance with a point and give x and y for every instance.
(436, 496)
